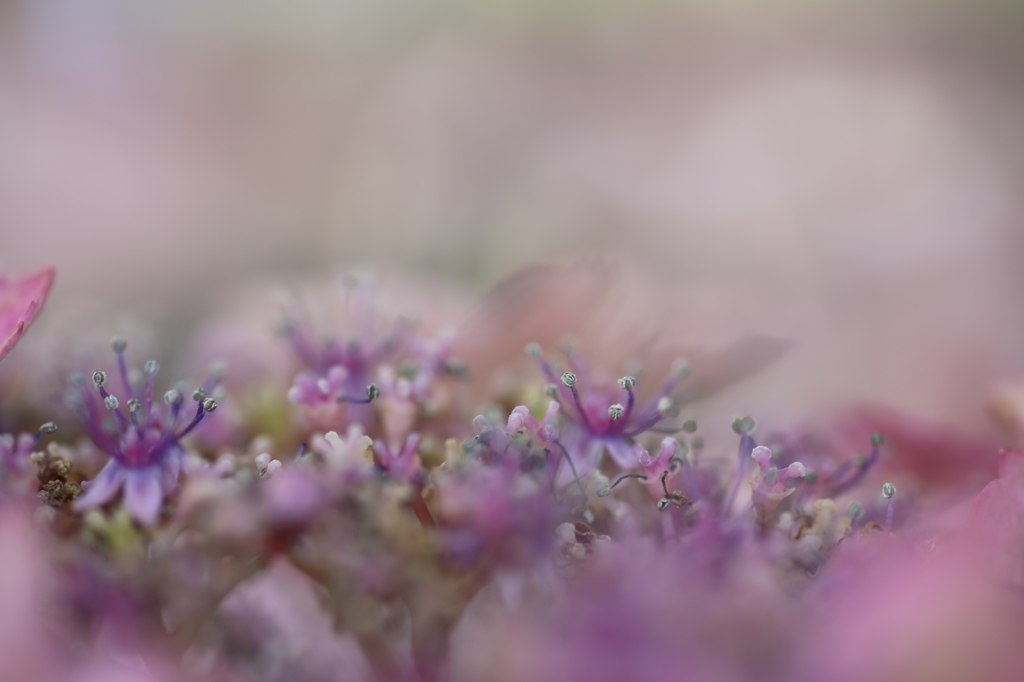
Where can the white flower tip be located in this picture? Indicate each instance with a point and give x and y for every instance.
(334, 440)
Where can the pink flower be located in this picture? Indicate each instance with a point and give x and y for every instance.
(998, 516)
(21, 299)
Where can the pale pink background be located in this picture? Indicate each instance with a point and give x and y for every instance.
(843, 174)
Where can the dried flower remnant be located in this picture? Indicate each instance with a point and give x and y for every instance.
(17, 454)
(21, 299)
(144, 445)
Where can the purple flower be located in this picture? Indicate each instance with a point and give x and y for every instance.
(339, 370)
(144, 445)
(400, 465)
(599, 418)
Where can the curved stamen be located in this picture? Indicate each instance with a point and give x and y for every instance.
(861, 470)
(605, 492)
(372, 393)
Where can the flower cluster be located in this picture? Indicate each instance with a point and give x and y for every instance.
(416, 520)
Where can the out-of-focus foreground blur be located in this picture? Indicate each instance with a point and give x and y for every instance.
(842, 174)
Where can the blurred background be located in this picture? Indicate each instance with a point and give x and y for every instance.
(845, 175)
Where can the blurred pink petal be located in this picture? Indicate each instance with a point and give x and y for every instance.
(21, 299)
(998, 515)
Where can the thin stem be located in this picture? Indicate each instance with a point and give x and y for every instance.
(579, 484)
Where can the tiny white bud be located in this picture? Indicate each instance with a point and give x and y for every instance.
(263, 459)
(569, 379)
(664, 404)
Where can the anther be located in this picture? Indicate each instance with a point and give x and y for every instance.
(627, 383)
(119, 343)
(664, 404)
(681, 369)
(48, 427)
(99, 377)
(876, 440)
(199, 395)
(569, 379)
(209, 404)
(372, 392)
(533, 350)
(743, 425)
(855, 511)
(151, 367)
(551, 391)
(134, 404)
(616, 411)
(111, 402)
(664, 504)
(77, 379)
(173, 397)
(690, 426)
(889, 492)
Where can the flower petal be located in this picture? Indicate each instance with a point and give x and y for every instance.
(102, 488)
(143, 494)
(622, 453)
(21, 299)
(585, 456)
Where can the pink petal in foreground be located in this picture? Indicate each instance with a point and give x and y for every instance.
(21, 299)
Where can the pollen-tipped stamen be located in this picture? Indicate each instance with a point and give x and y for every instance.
(889, 493)
(605, 492)
(119, 344)
(372, 393)
(860, 468)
